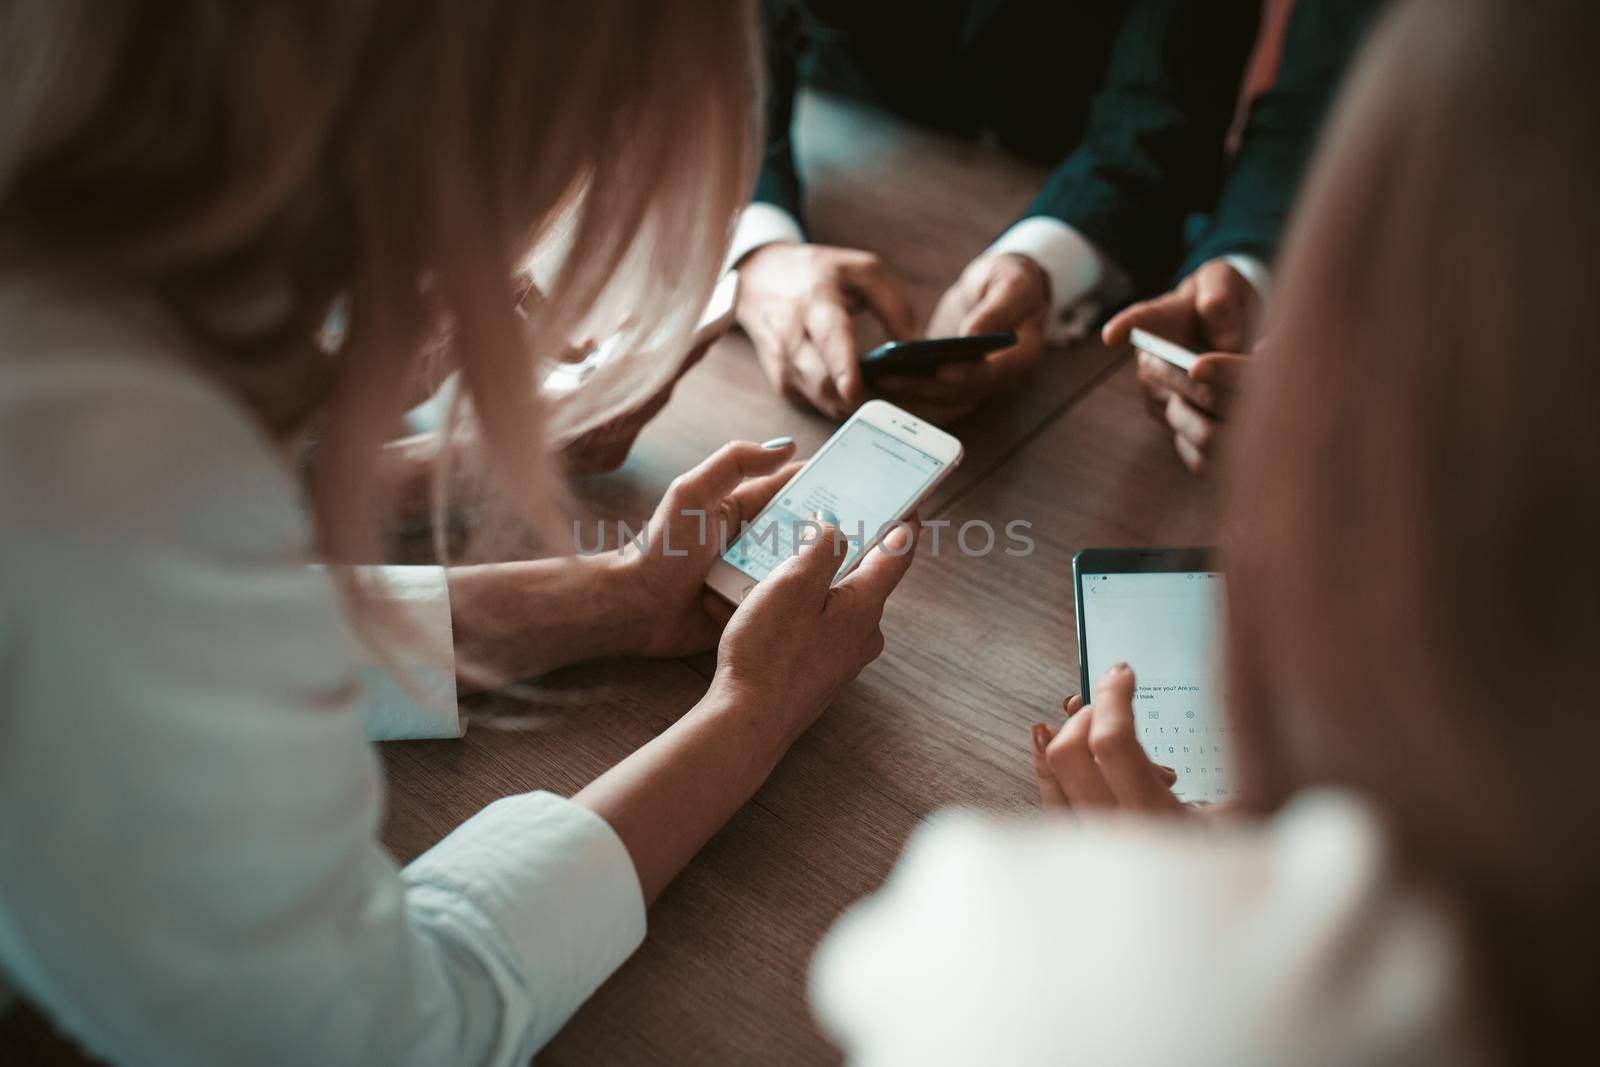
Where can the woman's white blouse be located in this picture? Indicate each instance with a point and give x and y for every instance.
(1118, 941)
(190, 871)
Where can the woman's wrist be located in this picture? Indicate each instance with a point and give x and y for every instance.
(650, 621)
(755, 724)
(526, 618)
(617, 597)
(669, 797)
(779, 723)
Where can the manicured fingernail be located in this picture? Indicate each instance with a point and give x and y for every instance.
(827, 518)
(1041, 738)
(777, 443)
(1170, 770)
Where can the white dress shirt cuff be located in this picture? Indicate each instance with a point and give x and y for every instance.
(1077, 270)
(761, 224)
(1257, 273)
(545, 885)
(423, 704)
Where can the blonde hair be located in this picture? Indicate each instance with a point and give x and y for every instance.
(1415, 590)
(401, 157)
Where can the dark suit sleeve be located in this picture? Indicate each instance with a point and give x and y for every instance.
(1153, 149)
(783, 41)
(1282, 130)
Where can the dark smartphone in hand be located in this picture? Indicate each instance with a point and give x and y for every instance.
(925, 357)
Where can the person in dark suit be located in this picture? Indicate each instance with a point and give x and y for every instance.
(1213, 309)
(1129, 100)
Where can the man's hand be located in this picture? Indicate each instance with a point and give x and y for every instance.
(1215, 311)
(795, 302)
(994, 294)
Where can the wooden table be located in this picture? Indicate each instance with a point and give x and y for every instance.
(978, 648)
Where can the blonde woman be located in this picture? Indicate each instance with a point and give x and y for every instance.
(189, 871)
(1414, 613)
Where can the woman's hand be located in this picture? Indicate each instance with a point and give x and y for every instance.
(525, 618)
(793, 642)
(667, 604)
(798, 638)
(1095, 759)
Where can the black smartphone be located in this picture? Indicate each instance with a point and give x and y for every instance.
(925, 357)
(1159, 610)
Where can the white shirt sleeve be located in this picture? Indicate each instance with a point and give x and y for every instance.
(761, 224)
(421, 704)
(1082, 278)
(1253, 270)
(190, 871)
(1116, 941)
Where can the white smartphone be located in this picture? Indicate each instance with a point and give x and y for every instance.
(870, 474)
(1162, 348)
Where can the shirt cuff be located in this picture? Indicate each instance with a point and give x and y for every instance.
(422, 703)
(1076, 268)
(761, 224)
(545, 886)
(1253, 270)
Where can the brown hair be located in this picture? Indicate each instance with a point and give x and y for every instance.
(402, 157)
(1415, 584)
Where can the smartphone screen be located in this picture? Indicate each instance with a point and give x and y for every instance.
(866, 476)
(1165, 626)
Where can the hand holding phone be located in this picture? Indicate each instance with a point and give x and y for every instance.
(872, 473)
(1158, 610)
(1189, 393)
(1088, 763)
(794, 643)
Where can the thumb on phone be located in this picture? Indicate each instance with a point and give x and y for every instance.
(819, 556)
(880, 572)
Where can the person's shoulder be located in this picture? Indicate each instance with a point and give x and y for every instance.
(153, 544)
(110, 429)
(1117, 940)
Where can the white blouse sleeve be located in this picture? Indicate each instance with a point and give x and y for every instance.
(421, 705)
(1121, 942)
(189, 864)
